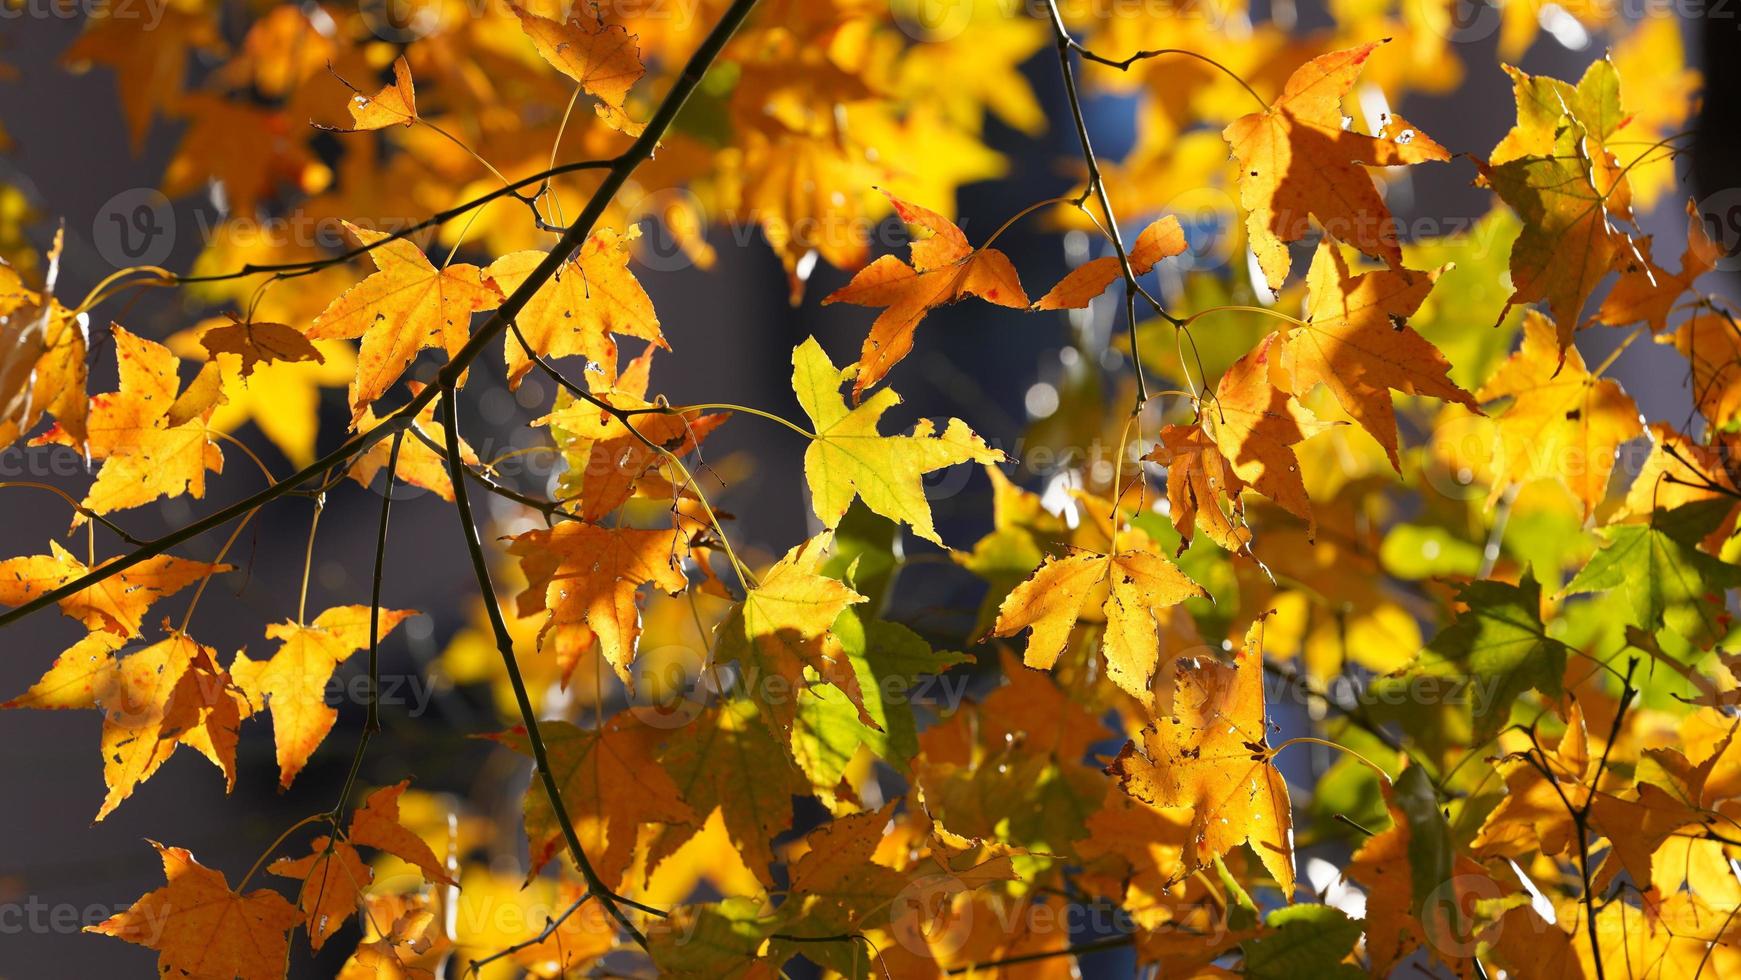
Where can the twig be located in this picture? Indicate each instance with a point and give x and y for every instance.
(505, 645)
(1081, 949)
(550, 927)
(1097, 187)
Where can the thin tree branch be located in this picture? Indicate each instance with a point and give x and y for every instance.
(505, 645)
(1081, 949)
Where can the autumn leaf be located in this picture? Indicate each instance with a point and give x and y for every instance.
(1555, 172)
(848, 458)
(944, 269)
(42, 355)
(292, 683)
(589, 578)
(608, 457)
(1499, 642)
(333, 877)
(118, 603)
(1648, 293)
(602, 57)
(1711, 343)
(1297, 160)
(377, 824)
(81, 677)
(260, 343)
(394, 105)
(1563, 422)
(1213, 756)
(575, 312)
(730, 762)
(1356, 341)
(157, 699)
(1131, 589)
(785, 625)
(200, 928)
(1244, 438)
(422, 453)
(153, 441)
(611, 785)
(406, 305)
(1160, 240)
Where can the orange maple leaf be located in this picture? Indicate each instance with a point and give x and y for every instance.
(154, 442)
(589, 578)
(1356, 341)
(592, 296)
(611, 784)
(1162, 239)
(405, 306)
(603, 58)
(1130, 589)
(1296, 161)
(200, 928)
(607, 458)
(292, 683)
(118, 603)
(1245, 438)
(259, 343)
(1646, 292)
(1213, 756)
(945, 268)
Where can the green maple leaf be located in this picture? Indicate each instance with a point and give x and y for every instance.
(1660, 571)
(1501, 647)
(1304, 941)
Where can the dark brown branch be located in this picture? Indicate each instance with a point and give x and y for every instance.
(505, 645)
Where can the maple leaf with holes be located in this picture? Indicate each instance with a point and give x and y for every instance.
(1356, 341)
(575, 312)
(169, 694)
(589, 579)
(603, 58)
(1162, 239)
(608, 457)
(292, 683)
(1128, 589)
(611, 784)
(154, 441)
(118, 603)
(848, 458)
(405, 306)
(1213, 757)
(200, 928)
(944, 269)
(1297, 160)
(1244, 438)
